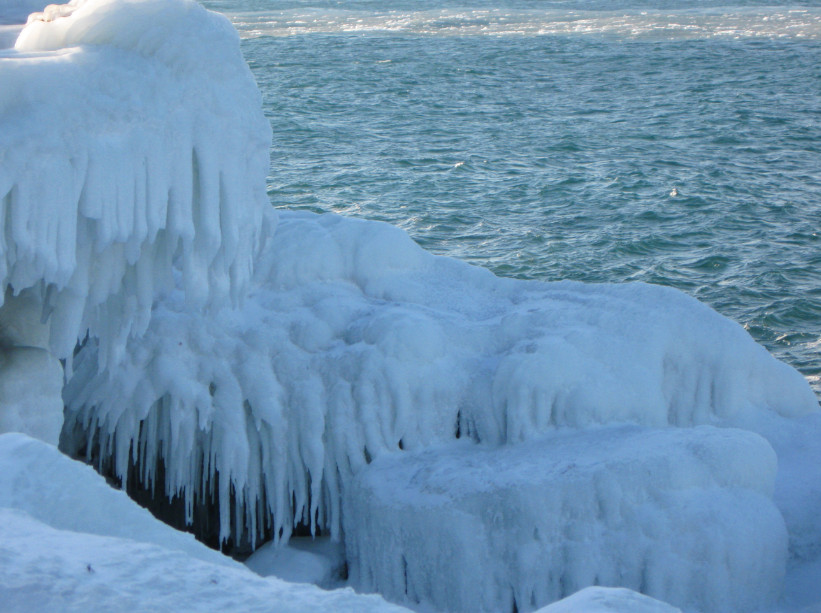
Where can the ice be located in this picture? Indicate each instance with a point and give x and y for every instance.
(682, 515)
(608, 600)
(265, 374)
(35, 478)
(70, 543)
(303, 560)
(355, 343)
(152, 159)
(31, 385)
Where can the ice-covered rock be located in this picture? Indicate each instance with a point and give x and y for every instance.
(355, 343)
(267, 371)
(303, 560)
(683, 515)
(151, 159)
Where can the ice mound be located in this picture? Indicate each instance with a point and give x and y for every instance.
(70, 543)
(608, 600)
(355, 343)
(150, 161)
(682, 515)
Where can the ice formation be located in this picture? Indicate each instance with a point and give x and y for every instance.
(681, 514)
(268, 365)
(355, 343)
(151, 158)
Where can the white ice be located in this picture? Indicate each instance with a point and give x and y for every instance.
(303, 560)
(355, 342)
(151, 158)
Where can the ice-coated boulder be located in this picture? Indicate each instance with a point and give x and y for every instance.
(682, 515)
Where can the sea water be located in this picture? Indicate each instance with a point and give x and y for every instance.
(670, 142)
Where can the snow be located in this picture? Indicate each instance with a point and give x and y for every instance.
(152, 159)
(72, 544)
(310, 369)
(608, 600)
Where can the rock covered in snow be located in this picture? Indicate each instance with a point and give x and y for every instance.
(152, 159)
(683, 515)
(355, 343)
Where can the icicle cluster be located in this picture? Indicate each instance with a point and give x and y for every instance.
(129, 151)
(354, 343)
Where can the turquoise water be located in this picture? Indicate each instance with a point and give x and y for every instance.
(668, 142)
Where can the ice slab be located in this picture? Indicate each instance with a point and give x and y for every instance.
(682, 515)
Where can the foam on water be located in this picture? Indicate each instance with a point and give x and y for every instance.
(765, 22)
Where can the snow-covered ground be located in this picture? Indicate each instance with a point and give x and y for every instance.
(318, 370)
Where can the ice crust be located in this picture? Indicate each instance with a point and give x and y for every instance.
(151, 158)
(683, 515)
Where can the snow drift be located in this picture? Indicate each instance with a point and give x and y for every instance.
(72, 544)
(251, 371)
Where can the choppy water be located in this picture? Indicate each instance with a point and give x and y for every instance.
(669, 142)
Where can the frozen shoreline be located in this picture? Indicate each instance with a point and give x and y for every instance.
(298, 355)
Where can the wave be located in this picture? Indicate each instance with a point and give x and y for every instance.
(729, 22)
